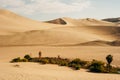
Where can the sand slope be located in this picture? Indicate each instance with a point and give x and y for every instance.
(30, 32)
(12, 23)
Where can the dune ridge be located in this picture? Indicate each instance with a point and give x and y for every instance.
(23, 31)
(57, 21)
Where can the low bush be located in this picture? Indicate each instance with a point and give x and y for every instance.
(74, 66)
(77, 67)
(63, 63)
(52, 61)
(27, 57)
(97, 66)
(19, 60)
(24, 60)
(78, 61)
(16, 59)
(44, 61)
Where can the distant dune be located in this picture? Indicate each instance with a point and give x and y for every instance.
(23, 31)
(115, 20)
(101, 43)
(57, 21)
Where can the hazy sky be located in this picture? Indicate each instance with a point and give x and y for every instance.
(51, 9)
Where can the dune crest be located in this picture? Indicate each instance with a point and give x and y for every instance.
(57, 21)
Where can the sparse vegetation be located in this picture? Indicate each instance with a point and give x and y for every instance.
(28, 57)
(76, 64)
(24, 60)
(97, 66)
(16, 59)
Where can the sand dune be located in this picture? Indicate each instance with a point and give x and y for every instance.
(114, 20)
(12, 23)
(29, 32)
(57, 21)
(101, 43)
(63, 36)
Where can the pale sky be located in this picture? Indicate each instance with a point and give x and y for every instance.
(51, 9)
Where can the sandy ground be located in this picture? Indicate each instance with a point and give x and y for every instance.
(35, 71)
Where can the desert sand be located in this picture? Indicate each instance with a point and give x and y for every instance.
(20, 36)
(23, 31)
(34, 71)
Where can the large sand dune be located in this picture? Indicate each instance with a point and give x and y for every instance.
(12, 23)
(23, 31)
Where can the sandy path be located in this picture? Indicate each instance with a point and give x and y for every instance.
(34, 71)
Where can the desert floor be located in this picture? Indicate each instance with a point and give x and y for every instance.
(35, 71)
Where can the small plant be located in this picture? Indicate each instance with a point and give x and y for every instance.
(77, 67)
(75, 64)
(63, 63)
(27, 57)
(76, 61)
(24, 60)
(97, 66)
(44, 61)
(109, 59)
(52, 61)
(16, 59)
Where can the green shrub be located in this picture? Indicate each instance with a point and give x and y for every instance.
(76, 61)
(113, 70)
(97, 66)
(44, 61)
(77, 67)
(16, 59)
(52, 61)
(35, 60)
(27, 57)
(74, 66)
(24, 60)
(63, 63)
(118, 70)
